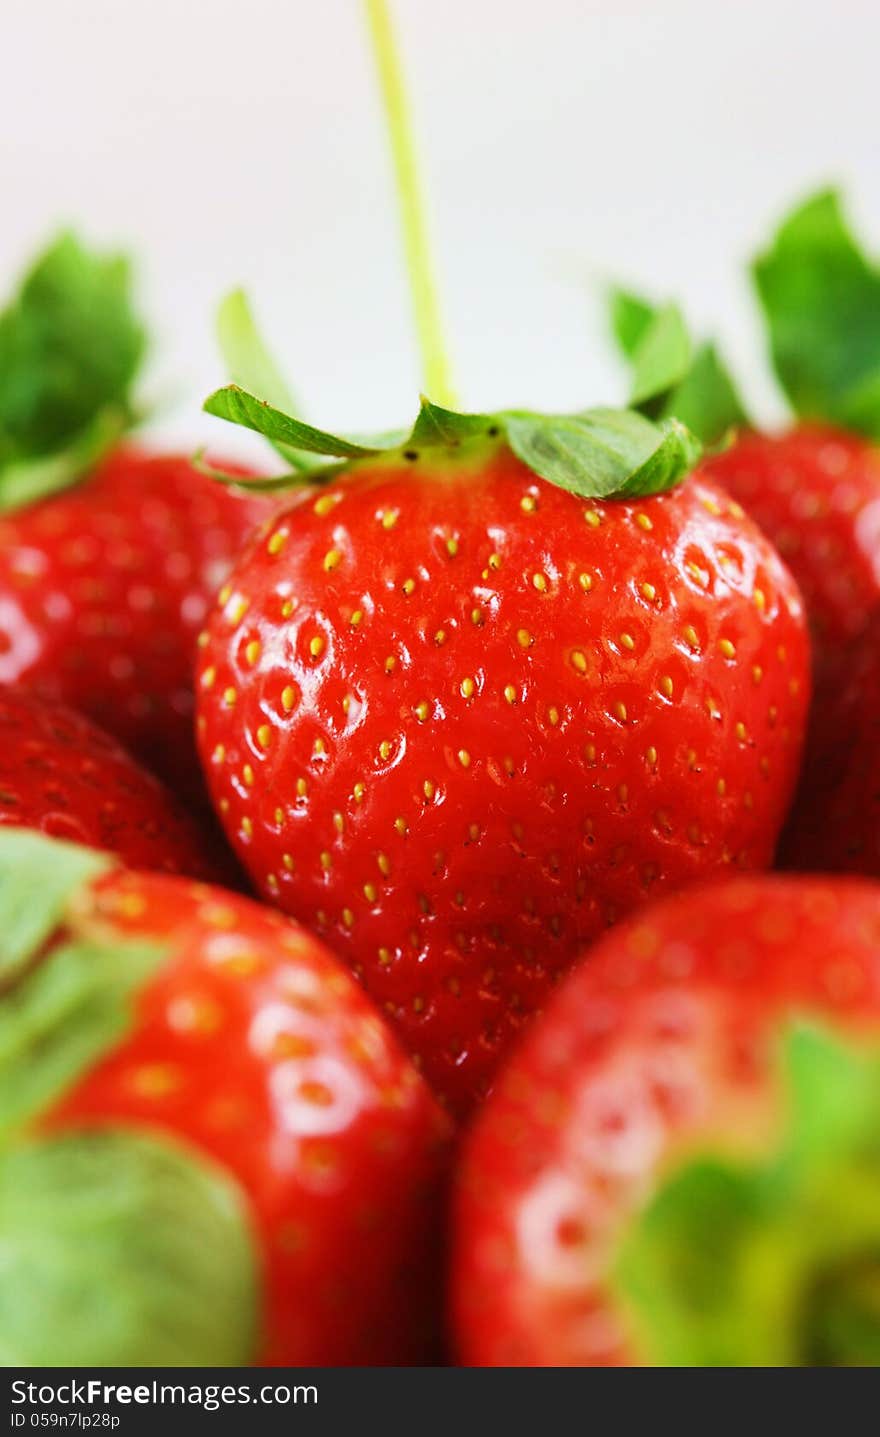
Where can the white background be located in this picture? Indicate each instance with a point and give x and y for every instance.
(562, 141)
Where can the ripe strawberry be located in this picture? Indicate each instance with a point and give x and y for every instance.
(214, 1152)
(679, 1167)
(458, 718)
(815, 488)
(63, 775)
(106, 568)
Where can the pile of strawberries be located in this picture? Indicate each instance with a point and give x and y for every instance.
(390, 970)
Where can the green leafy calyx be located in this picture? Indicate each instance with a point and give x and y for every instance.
(597, 453)
(777, 1262)
(70, 348)
(820, 295)
(123, 1250)
(671, 375)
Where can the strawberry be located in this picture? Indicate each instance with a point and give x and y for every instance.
(214, 1152)
(679, 1167)
(472, 697)
(107, 565)
(815, 487)
(62, 774)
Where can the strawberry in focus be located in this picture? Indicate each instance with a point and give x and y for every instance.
(109, 557)
(214, 1151)
(61, 774)
(458, 715)
(679, 1167)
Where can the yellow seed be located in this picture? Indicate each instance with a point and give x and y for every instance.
(229, 697)
(288, 698)
(528, 503)
(467, 688)
(757, 673)
(440, 637)
(648, 592)
(287, 860)
(651, 757)
(712, 708)
(666, 686)
(302, 787)
(384, 749)
(203, 639)
(727, 648)
(277, 541)
(370, 892)
(540, 582)
(760, 598)
(494, 561)
(421, 711)
(721, 788)
(553, 716)
(409, 586)
(742, 732)
(400, 825)
(348, 918)
(272, 882)
(247, 827)
(510, 693)
(711, 506)
(384, 864)
(224, 595)
(691, 636)
(287, 608)
(208, 677)
(628, 641)
(326, 502)
(523, 638)
(644, 522)
(620, 711)
(429, 789)
(247, 774)
(390, 664)
(593, 518)
(339, 822)
(384, 956)
(452, 547)
(356, 618)
(388, 518)
(332, 559)
(316, 645)
(585, 582)
(358, 792)
(319, 747)
(477, 616)
(252, 651)
(279, 816)
(464, 758)
(326, 861)
(219, 754)
(237, 610)
(579, 660)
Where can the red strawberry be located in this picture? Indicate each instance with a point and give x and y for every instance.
(63, 775)
(214, 1151)
(459, 719)
(106, 569)
(814, 489)
(680, 1164)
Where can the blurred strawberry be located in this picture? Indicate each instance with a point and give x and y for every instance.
(108, 557)
(214, 1152)
(680, 1165)
(61, 774)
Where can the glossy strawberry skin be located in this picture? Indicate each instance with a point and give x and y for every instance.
(459, 721)
(61, 774)
(815, 491)
(104, 587)
(253, 1044)
(663, 1043)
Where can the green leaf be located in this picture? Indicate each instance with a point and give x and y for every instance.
(771, 1261)
(600, 453)
(38, 878)
(122, 1250)
(603, 453)
(821, 300)
(670, 377)
(70, 348)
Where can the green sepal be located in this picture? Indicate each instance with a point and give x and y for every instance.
(250, 364)
(70, 348)
(773, 1262)
(38, 878)
(598, 453)
(63, 1008)
(670, 376)
(820, 295)
(123, 1250)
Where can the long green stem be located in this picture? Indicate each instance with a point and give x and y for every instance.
(435, 363)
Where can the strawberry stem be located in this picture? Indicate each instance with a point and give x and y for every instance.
(426, 309)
